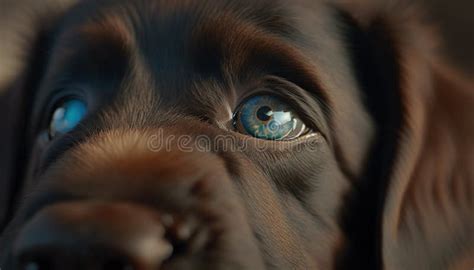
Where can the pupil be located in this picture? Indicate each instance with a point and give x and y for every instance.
(264, 113)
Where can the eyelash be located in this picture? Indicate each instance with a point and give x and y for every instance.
(269, 91)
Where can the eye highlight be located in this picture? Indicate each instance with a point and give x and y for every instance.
(268, 117)
(66, 116)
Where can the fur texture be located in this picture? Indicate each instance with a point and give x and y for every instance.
(384, 182)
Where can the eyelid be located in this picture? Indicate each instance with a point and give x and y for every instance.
(313, 109)
(243, 121)
(55, 98)
(263, 91)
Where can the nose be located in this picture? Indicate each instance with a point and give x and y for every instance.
(92, 235)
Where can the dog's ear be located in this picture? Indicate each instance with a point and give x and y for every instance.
(25, 29)
(421, 172)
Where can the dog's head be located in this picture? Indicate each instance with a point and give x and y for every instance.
(227, 135)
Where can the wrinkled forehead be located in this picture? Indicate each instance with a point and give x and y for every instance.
(176, 43)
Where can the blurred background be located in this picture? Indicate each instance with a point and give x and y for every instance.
(456, 21)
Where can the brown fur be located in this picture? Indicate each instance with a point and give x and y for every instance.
(386, 182)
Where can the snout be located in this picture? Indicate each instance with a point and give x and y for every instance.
(94, 235)
(134, 209)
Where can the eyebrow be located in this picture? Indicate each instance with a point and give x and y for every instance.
(252, 48)
(110, 27)
(283, 60)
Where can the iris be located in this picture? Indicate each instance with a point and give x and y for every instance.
(268, 117)
(66, 117)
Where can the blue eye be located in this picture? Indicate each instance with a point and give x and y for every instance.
(66, 117)
(268, 117)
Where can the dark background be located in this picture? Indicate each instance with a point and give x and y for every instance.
(456, 21)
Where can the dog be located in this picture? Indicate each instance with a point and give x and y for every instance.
(234, 134)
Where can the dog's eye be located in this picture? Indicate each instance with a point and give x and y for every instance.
(268, 117)
(66, 116)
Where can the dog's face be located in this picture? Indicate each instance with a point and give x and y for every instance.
(203, 135)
